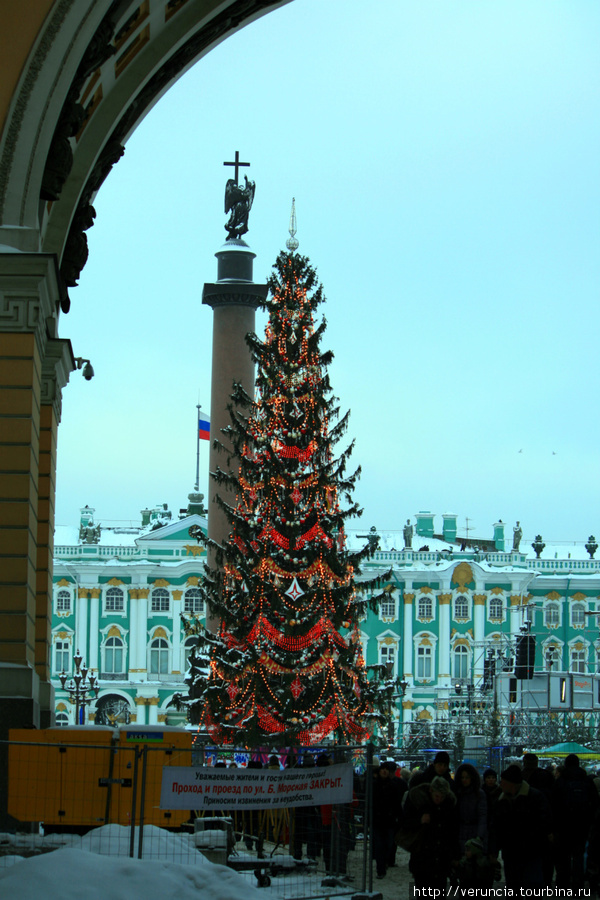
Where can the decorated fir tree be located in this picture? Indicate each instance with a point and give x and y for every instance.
(286, 661)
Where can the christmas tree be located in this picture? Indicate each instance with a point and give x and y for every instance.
(286, 660)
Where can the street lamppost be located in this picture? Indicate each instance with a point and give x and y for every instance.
(82, 686)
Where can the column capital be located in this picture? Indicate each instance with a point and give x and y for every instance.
(236, 294)
(57, 365)
(29, 294)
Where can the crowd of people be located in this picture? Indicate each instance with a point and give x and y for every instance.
(541, 826)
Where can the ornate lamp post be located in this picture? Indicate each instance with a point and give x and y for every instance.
(81, 687)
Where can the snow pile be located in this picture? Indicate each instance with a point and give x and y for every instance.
(70, 872)
(114, 840)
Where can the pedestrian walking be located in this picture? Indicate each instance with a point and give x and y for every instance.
(430, 832)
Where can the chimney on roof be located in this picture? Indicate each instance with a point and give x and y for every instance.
(424, 526)
(449, 527)
(499, 539)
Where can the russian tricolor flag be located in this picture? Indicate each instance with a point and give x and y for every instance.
(203, 427)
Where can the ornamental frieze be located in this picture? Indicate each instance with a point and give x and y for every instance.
(193, 550)
(463, 575)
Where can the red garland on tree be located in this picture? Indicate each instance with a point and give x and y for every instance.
(283, 586)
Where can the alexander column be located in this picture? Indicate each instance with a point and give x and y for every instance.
(234, 298)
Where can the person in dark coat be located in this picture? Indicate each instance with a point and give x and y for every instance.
(520, 830)
(439, 768)
(471, 806)
(430, 815)
(492, 792)
(307, 823)
(543, 780)
(575, 803)
(386, 813)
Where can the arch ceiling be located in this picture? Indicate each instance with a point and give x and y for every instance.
(94, 70)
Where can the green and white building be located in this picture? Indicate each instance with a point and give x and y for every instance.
(459, 616)
(455, 612)
(119, 592)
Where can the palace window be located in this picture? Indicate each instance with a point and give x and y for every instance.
(62, 719)
(460, 659)
(161, 600)
(578, 661)
(193, 602)
(424, 663)
(496, 608)
(113, 656)
(461, 607)
(159, 657)
(552, 658)
(577, 615)
(62, 656)
(387, 655)
(387, 608)
(114, 600)
(63, 601)
(551, 615)
(425, 608)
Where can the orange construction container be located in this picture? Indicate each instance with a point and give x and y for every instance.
(53, 774)
(165, 746)
(85, 776)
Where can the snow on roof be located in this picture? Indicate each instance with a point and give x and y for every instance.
(394, 540)
(116, 536)
(562, 550)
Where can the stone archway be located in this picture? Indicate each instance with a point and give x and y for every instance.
(79, 75)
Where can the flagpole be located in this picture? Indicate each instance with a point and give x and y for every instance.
(197, 485)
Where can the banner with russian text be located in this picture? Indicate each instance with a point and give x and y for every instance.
(202, 787)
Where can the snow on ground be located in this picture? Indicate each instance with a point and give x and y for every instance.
(79, 868)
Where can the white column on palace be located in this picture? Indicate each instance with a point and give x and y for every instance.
(479, 601)
(140, 705)
(132, 655)
(92, 658)
(444, 671)
(152, 703)
(141, 637)
(176, 639)
(408, 598)
(81, 623)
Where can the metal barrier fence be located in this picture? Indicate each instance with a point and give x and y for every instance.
(102, 796)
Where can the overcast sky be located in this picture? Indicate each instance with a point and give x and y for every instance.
(444, 156)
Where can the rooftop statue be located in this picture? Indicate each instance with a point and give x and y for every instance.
(517, 535)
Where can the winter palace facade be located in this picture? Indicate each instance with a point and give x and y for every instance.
(462, 619)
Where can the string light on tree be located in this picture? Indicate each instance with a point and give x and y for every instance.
(284, 583)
